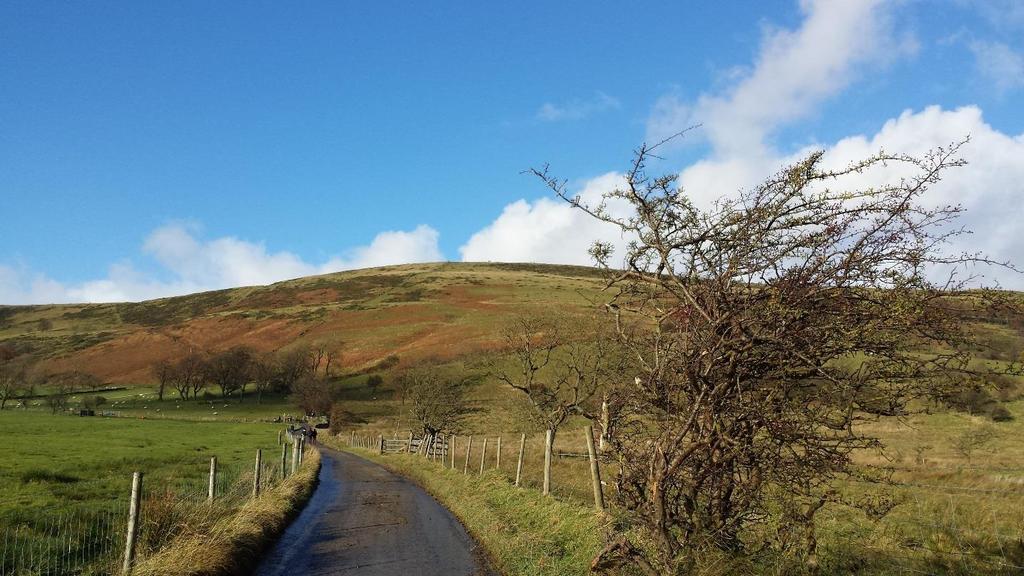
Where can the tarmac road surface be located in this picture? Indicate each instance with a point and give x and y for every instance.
(365, 520)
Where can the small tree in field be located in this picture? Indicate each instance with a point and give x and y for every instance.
(188, 376)
(438, 404)
(313, 395)
(293, 365)
(163, 371)
(559, 374)
(761, 332)
(264, 371)
(14, 371)
(230, 371)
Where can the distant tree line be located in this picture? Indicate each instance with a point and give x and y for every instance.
(302, 371)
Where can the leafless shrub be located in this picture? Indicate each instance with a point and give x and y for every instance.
(762, 330)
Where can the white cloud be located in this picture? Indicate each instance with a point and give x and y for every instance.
(392, 247)
(195, 265)
(999, 64)
(546, 230)
(990, 187)
(577, 109)
(793, 73)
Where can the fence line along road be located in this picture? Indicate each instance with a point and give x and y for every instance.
(441, 448)
(111, 539)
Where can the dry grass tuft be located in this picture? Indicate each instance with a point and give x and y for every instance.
(233, 545)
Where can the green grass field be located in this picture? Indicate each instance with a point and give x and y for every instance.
(955, 513)
(53, 463)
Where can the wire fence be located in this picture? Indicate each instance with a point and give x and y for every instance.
(90, 539)
(941, 529)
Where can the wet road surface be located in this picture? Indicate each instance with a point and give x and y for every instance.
(365, 520)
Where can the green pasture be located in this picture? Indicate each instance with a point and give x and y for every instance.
(53, 463)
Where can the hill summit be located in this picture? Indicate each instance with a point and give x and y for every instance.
(416, 311)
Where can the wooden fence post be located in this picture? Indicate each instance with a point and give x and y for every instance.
(280, 437)
(295, 455)
(451, 450)
(284, 461)
(548, 441)
(497, 463)
(410, 442)
(519, 465)
(212, 488)
(256, 472)
(352, 441)
(380, 443)
(133, 523)
(483, 455)
(302, 449)
(595, 470)
(469, 448)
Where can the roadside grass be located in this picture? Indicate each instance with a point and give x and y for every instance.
(951, 515)
(232, 545)
(524, 533)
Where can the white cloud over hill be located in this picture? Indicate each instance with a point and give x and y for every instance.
(795, 72)
(193, 264)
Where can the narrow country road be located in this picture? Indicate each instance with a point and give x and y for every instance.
(364, 520)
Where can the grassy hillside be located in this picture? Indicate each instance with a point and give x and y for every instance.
(956, 512)
(417, 311)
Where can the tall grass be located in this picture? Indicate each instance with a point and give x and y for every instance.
(230, 544)
(952, 515)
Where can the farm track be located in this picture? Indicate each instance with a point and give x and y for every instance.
(366, 520)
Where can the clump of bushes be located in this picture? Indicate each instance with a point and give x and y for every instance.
(93, 402)
(340, 418)
(388, 363)
(999, 413)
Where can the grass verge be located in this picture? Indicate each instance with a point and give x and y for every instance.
(523, 532)
(232, 546)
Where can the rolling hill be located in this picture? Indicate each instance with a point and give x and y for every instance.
(438, 311)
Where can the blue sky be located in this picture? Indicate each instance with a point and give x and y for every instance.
(149, 149)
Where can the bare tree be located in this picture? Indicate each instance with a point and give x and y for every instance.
(761, 331)
(316, 357)
(313, 395)
(63, 384)
(14, 368)
(438, 404)
(187, 375)
(163, 371)
(293, 365)
(973, 439)
(330, 358)
(229, 370)
(265, 371)
(558, 374)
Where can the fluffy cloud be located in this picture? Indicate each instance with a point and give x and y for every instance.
(547, 230)
(393, 247)
(577, 109)
(795, 72)
(196, 265)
